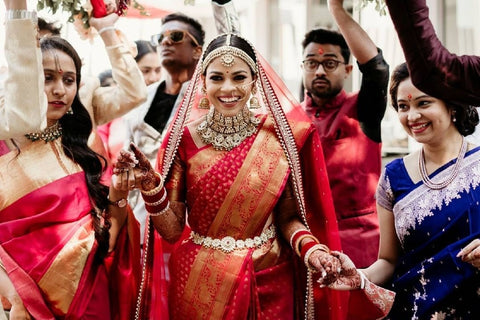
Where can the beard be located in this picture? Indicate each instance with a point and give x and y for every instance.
(325, 92)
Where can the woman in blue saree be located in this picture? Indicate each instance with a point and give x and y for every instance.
(429, 211)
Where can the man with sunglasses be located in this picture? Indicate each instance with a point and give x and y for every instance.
(349, 125)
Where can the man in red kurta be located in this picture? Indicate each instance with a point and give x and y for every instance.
(349, 126)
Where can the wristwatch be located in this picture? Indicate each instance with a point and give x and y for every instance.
(119, 203)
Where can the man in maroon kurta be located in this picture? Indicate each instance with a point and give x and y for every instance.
(349, 126)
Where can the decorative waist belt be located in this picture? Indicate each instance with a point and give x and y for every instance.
(228, 244)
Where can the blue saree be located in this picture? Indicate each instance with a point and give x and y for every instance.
(433, 226)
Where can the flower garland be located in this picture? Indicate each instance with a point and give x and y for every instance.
(82, 10)
(379, 5)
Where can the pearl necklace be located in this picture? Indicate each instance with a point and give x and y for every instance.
(49, 134)
(225, 133)
(456, 168)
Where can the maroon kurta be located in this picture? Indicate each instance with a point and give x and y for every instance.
(353, 164)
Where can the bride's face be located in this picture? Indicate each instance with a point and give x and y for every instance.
(228, 87)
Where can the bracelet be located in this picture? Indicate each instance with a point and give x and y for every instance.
(155, 190)
(161, 212)
(363, 279)
(2, 266)
(162, 205)
(106, 29)
(21, 14)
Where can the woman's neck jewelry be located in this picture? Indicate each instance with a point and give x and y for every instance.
(456, 168)
(49, 134)
(225, 133)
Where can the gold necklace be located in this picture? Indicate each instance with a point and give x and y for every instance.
(225, 133)
(456, 168)
(49, 134)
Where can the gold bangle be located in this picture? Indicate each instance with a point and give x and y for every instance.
(155, 190)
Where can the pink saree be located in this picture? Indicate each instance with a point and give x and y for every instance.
(47, 241)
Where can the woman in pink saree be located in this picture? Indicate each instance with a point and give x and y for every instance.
(68, 243)
(237, 175)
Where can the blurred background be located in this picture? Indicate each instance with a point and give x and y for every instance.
(277, 27)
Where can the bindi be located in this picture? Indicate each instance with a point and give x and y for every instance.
(409, 96)
(320, 51)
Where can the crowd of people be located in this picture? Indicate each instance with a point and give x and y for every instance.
(188, 183)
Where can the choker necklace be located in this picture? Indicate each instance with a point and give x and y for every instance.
(456, 168)
(49, 134)
(225, 133)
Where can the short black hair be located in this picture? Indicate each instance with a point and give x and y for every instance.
(144, 47)
(52, 27)
(195, 28)
(327, 36)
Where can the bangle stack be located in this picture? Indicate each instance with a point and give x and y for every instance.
(156, 200)
(298, 236)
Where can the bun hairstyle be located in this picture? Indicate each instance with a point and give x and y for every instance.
(466, 116)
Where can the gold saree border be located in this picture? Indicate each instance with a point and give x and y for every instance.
(60, 281)
(37, 165)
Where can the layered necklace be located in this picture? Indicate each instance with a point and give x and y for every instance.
(225, 133)
(49, 134)
(456, 168)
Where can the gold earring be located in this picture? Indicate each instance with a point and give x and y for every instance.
(70, 111)
(204, 102)
(253, 100)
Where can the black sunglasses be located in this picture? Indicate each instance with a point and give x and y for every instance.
(176, 36)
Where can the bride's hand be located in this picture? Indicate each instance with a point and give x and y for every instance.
(149, 179)
(349, 277)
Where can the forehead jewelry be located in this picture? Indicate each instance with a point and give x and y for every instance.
(227, 58)
(227, 54)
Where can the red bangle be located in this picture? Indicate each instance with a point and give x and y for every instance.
(155, 197)
(307, 247)
(296, 235)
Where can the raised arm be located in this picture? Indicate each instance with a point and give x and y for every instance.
(433, 68)
(23, 107)
(226, 17)
(372, 98)
(108, 103)
(360, 44)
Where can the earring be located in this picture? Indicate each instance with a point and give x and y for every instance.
(204, 102)
(454, 119)
(253, 100)
(70, 111)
